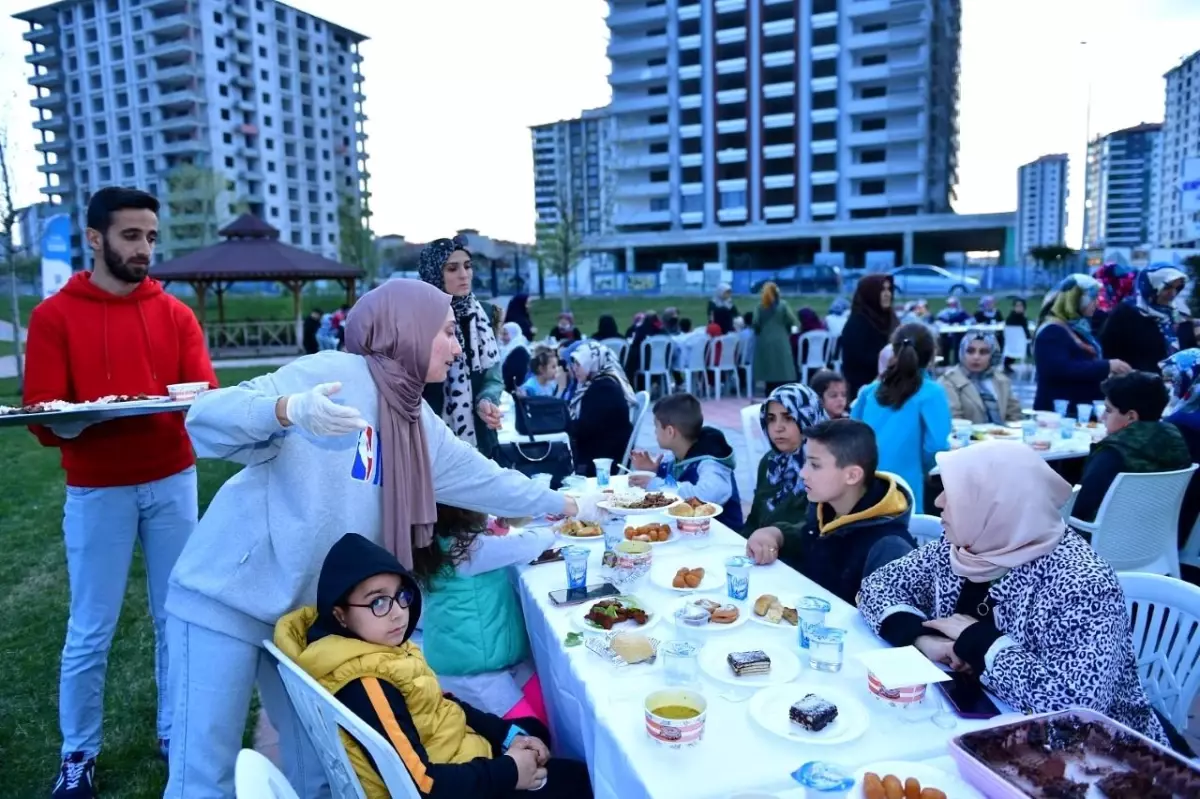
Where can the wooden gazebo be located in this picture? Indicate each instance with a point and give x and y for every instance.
(252, 252)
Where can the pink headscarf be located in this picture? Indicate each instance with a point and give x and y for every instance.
(393, 327)
(1003, 508)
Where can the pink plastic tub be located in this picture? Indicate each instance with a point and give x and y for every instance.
(1151, 759)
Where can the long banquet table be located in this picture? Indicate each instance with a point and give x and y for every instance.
(596, 708)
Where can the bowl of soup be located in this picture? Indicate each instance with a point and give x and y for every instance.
(675, 717)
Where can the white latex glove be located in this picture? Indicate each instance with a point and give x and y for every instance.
(588, 512)
(313, 412)
(69, 429)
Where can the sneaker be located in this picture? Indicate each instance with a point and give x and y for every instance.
(76, 778)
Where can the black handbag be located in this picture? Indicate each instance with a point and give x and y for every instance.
(539, 416)
(538, 457)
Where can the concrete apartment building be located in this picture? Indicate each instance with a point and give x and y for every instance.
(1180, 145)
(1120, 183)
(571, 163)
(1041, 204)
(30, 221)
(236, 104)
(764, 121)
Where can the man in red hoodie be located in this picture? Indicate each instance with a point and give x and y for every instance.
(115, 331)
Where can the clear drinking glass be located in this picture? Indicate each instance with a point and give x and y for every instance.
(576, 559)
(826, 648)
(1083, 413)
(681, 665)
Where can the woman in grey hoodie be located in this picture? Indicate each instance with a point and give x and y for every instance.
(332, 443)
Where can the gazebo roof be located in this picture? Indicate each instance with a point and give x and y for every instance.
(252, 251)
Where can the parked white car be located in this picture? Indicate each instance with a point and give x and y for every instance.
(933, 281)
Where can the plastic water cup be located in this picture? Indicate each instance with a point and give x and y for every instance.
(1099, 407)
(1061, 407)
(576, 559)
(1067, 428)
(1029, 428)
(1083, 412)
(603, 470)
(811, 611)
(737, 576)
(681, 664)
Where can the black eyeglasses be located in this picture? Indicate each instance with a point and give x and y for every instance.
(382, 605)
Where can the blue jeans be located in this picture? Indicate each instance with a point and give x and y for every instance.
(100, 527)
(212, 678)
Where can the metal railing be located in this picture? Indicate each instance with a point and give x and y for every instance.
(252, 338)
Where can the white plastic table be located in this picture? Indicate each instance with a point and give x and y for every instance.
(596, 709)
(1078, 445)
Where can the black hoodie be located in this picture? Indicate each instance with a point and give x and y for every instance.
(350, 561)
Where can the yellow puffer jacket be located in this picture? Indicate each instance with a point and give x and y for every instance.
(334, 662)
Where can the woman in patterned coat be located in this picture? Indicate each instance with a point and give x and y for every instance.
(1012, 595)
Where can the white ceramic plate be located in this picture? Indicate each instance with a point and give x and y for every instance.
(586, 539)
(662, 572)
(950, 784)
(769, 709)
(619, 511)
(578, 613)
(716, 628)
(785, 666)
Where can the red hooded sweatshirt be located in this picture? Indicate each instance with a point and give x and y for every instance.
(85, 343)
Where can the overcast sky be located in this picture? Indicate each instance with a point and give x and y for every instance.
(452, 87)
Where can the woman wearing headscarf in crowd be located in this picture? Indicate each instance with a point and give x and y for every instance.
(1070, 362)
(721, 309)
(566, 374)
(518, 312)
(599, 406)
(1011, 595)
(670, 320)
(469, 400)
(606, 328)
(774, 363)
(638, 318)
(839, 313)
(1145, 329)
(872, 320)
(809, 320)
(1116, 285)
(376, 461)
(649, 327)
(514, 355)
(1016, 318)
(953, 313)
(976, 389)
(780, 504)
(565, 330)
(988, 313)
(1183, 371)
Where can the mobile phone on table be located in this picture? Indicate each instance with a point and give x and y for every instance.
(968, 698)
(576, 596)
(549, 556)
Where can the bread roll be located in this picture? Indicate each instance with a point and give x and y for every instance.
(763, 603)
(632, 647)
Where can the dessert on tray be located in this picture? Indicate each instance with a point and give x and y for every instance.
(813, 713)
(749, 663)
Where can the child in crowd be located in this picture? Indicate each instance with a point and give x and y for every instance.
(701, 461)
(543, 382)
(1136, 442)
(355, 643)
(831, 388)
(465, 578)
(907, 409)
(780, 504)
(857, 517)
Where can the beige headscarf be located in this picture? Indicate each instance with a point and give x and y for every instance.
(1003, 508)
(393, 327)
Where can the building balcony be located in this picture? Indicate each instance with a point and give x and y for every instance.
(58, 168)
(779, 150)
(642, 188)
(638, 75)
(862, 8)
(166, 6)
(692, 218)
(731, 35)
(824, 177)
(690, 189)
(892, 102)
(826, 20)
(863, 138)
(883, 169)
(912, 33)
(869, 73)
(691, 131)
(174, 23)
(42, 34)
(781, 27)
(692, 72)
(823, 52)
(237, 9)
(178, 123)
(824, 209)
(731, 96)
(727, 6)
(691, 159)
(689, 12)
(53, 146)
(732, 184)
(241, 35)
(823, 146)
(180, 98)
(731, 155)
(47, 56)
(779, 212)
(244, 59)
(628, 104)
(63, 189)
(785, 89)
(787, 120)
(55, 99)
(243, 82)
(731, 126)
(55, 122)
(828, 84)
(182, 146)
(690, 101)
(47, 78)
(176, 51)
(731, 66)
(623, 19)
(244, 105)
(783, 58)
(174, 76)
(825, 115)
(646, 161)
(732, 214)
(639, 216)
(779, 181)
(623, 46)
(643, 132)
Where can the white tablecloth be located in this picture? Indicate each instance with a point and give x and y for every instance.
(596, 709)
(508, 430)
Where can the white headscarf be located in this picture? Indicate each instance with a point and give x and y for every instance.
(597, 360)
(516, 339)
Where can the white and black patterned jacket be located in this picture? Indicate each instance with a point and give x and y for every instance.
(1065, 630)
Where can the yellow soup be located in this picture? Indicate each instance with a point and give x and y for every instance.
(676, 712)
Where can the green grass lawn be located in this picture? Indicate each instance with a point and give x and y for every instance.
(33, 605)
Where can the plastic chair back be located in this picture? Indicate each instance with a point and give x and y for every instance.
(637, 415)
(695, 354)
(323, 716)
(1165, 627)
(813, 353)
(756, 443)
(925, 528)
(257, 778)
(617, 345)
(1016, 342)
(1136, 527)
(655, 355)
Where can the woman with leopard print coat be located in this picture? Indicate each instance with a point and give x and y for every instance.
(1012, 595)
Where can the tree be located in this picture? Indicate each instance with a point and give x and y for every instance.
(357, 247)
(8, 221)
(559, 246)
(198, 202)
(1053, 254)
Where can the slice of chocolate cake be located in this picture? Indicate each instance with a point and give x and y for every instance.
(813, 713)
(745, 664)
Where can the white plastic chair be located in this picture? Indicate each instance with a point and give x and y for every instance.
(694, 356)
(617, 345)
(1136, 527)
(925, 528)
(257, 778)
(745, 360)
(1016, 343)
(1164, 618)
(756, 443)
(323, 716)
(835, 352)
(813, 353)
(656, 361)
(637, 415)
(726, 364)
